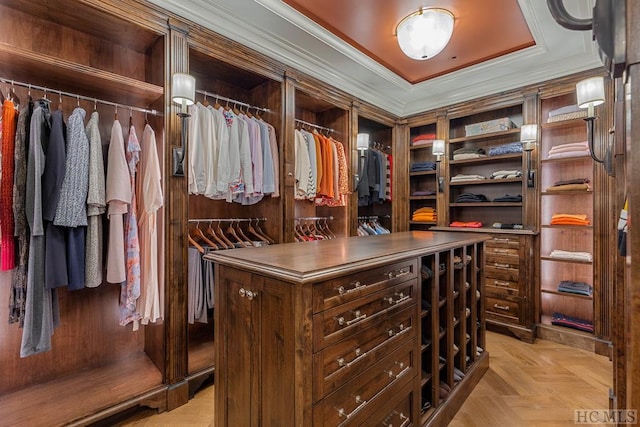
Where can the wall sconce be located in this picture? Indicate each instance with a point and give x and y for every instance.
(528, 137)
(423, 34)
(362, 141)
(590, 94)
(437, 149)
(183, 93)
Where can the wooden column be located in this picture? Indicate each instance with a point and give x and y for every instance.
(288, 156)
(175, 231)
(400, 177)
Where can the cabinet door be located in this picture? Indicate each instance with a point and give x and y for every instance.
(241, 347)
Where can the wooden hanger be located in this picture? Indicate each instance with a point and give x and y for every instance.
(199, 234)
(253, 232)
(220, 233)
(217, 104)
(205, 102)
(242, 235)
(259, 230)
(195, 244)
(221, 243)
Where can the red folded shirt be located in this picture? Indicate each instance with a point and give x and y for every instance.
(424, 136)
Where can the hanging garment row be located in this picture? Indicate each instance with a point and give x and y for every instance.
(374, 175)
(321, 171)
(216, 237)
(233, 155)
(309, 229)
(370, 226)
(54, 192)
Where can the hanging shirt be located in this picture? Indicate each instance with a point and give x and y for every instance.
(118, 197)
(303, 177)
(7, 248)
(96, 205)
(130, 290)
(150, 200)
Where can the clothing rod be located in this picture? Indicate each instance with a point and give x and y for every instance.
(374, 217)
(313, 218)
(227, 219)
(314, 125)
(233, 101)
(79, 97)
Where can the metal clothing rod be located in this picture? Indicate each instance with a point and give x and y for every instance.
(374, 217)
(233, 101)
(314, 125)
(79, 97)
(227, 219)
(313, 218)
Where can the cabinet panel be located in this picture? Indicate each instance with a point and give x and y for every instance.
(340, 291)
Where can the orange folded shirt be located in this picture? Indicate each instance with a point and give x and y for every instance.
(569, 219)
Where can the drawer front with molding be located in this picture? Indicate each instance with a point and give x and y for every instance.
(504, 241)
(499, 287)
(502, 261)
(334, 365)
(501, 252)
(335, 324)
(354, 402)
(503, 308)
(501, 271)
(339, 291)
(395, 413)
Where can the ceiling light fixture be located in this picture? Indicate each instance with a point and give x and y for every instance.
(423, 34)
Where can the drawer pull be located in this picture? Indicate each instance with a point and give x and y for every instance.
(393, 376)
(502, 283)
(356, 286)
(501, 251)
(359, 355)
(498, 265)
(343, 413)
(357, 317)
(397, 273)
(247, 294)
(402, 417)
(402, 298)
(501, 307)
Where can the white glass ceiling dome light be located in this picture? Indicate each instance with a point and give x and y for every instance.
(423, 34)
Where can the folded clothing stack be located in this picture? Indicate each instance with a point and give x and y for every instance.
(569, 255)
(572, 287)
(509, 198)
(424, 214)
(510, 148)
(569, 219)
(504, 226)
(423, 139)
(423, 193)
(571, 322)
(467, 224)
(467, 177)
(471, 198)
(423, 166)
(577, 184)
(567, 112)
(506, 173)
(469, 153)
(572, 149)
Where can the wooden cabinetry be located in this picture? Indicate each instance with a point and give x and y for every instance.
(423, 184)
(565, 237)
(336, 331)
(92, 50)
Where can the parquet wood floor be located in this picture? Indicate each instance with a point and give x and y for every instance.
(527, 385)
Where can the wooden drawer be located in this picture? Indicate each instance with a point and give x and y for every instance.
(334, 365)
(333, 325)
(500, 287)
(504, 241)
(396, 412)
(339, 291)
(499, 251)
(501, 271)
(353, 403)
(503, 308)
(502, 261)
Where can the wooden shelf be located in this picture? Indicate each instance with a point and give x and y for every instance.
(567, 193)
(568, 227)
(420, 147)
(83, 396)
(485, 136)
(422, 223)
(486, 204)
(422, 173)
(566, 159)
(571, 261)
(60, 74)
(485, 230)
(563, 123)
(487, 159)
(423, 197)
(566, 294)
(485, 181)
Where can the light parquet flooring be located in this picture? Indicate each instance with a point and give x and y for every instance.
(527, 385)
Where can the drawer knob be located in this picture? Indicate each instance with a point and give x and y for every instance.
(355, 286)
(397, 273)
(501, 307)
(357, 317)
